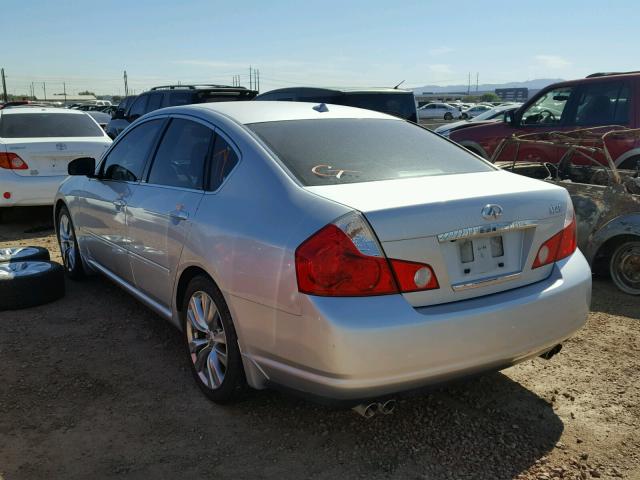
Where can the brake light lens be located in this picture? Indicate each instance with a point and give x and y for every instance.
(562, 244)
(11, 161)
(344, 259)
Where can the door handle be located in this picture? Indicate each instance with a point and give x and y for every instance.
(179, 214)
(119, 204)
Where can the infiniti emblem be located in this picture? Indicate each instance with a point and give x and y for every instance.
(61, 146)
(491, 211)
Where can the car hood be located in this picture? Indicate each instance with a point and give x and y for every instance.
(450, 127)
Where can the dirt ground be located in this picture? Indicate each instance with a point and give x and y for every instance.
(97, 386)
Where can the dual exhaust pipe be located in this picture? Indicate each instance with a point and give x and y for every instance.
(368, 410)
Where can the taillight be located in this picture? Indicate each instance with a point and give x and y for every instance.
(413, 277)
(344, 259)
(562, 244)
(12, 161)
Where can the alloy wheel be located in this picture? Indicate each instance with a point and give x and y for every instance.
(67, 242)
(207, 340)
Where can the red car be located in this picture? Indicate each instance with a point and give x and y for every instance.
(600, 100)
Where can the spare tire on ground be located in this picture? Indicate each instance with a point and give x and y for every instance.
(21, 254)
(30, 283)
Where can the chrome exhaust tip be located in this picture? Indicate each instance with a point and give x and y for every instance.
(387, 408)
(367, 410)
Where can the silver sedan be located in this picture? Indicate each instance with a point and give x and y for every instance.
(338, 252)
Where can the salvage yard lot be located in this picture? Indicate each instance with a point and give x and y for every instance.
(97, 385)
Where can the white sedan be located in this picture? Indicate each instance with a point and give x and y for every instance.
(475, 111)
(438, 110)
(36, 145)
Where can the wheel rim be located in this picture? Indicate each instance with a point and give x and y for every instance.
(67, 242)
(22, 269)
(16, 253)
(207, 340)
(627, 268)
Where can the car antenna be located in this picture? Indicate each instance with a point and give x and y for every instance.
(396, 87)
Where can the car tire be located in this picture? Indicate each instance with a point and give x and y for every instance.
(30, 283)
(624, 267)
(448, 116)
(211, 342)
(68, 243)
(22, 254)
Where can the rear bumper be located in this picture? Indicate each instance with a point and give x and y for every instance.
(357, 348)
(28, 191)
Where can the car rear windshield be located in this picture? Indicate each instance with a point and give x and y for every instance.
(347, 150)
(398, 104)
(206, 96)
(33, 125)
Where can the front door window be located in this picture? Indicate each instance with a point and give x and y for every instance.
(548, 110)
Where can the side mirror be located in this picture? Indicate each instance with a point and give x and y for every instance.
(82, 166)
(509, 118)
(118, 114)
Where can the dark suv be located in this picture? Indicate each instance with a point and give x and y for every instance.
(171, 96)
(394, 101)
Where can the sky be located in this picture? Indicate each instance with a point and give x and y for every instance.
(88, 44)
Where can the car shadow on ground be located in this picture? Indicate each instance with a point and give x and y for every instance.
(24, 223)
(612, 301)
(119, 399)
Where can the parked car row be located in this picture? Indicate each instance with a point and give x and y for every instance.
(495, 114)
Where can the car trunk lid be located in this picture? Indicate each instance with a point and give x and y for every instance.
(479, 231)
(47, 157)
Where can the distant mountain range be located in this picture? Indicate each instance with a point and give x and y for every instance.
(484, 87)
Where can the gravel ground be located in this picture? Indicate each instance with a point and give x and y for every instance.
(97, 386)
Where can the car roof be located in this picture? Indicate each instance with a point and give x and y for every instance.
(257, 112)
(594, 79)
(18, 109)
(341, 90)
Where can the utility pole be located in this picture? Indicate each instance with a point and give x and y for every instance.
(258, 80)
(477, 76)
(4, 86)
(44, 89)
(469, 84)
(126, 85)
(250, 79)
(64, 90)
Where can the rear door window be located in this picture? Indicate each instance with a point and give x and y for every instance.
(43, 125)
(154, 102)
(397, 104)
(181, 156)
(177, 98)
(127, 158)
(346, 150)
(223, 160)
(603, 103)
(139, 107)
